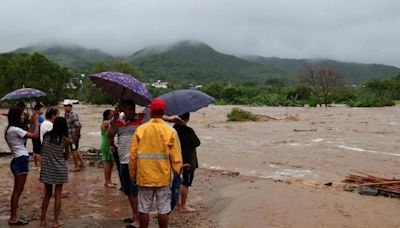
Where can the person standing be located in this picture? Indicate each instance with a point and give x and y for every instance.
(54, 171)
(74, 133)
(15, 137)
(106, 155)
(123, 124)
(189, 142)
(124, 128)
(36, 143)
(155, 151)
(47, 125)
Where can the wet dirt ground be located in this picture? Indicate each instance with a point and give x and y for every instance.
(303, 147)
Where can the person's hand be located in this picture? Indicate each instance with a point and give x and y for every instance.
(175, 119)
(115, 114)
(113, 149)
(186, 166)
(75, 138)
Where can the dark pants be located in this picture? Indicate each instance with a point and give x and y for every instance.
(116, 159)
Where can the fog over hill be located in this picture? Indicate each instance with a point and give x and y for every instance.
(196, 61)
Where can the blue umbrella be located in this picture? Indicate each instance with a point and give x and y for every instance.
(182, 101)
(23, 93)
(123, 86)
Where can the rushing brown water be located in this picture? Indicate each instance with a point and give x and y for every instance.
(314, 143)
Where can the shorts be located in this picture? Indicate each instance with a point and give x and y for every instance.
(20, 165)
(37, 146)
(146, 197)
(129, 188)
(187, 177)
(74, 145)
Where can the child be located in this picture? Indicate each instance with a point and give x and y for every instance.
(54, 169)
(105, 149)
(189, 142)
(38, 109)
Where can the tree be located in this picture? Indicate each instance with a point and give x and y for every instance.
(34, 71)
(322, 81)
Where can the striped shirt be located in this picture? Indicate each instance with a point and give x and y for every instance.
(125, 130)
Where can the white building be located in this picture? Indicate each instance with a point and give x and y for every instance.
(160, 84)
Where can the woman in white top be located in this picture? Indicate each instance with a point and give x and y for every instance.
(16, 137)
(47, 125)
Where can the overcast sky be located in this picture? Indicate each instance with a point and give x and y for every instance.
(350, 30)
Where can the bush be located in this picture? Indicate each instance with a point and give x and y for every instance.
(238, 114)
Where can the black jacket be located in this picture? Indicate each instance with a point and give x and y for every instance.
(189, 141)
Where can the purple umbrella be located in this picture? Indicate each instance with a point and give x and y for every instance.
(123, 86)
(23, 93)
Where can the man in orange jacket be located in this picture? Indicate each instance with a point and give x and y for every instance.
(155, 151)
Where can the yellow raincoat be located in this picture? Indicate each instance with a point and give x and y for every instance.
(155, 150)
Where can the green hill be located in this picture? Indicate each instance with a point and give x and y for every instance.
(352, 72)
(196, 62)
(192, 61)
(70, 56)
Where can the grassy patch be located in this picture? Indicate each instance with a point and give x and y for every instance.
(237, 114)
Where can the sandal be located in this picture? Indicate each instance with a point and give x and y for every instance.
(19, 221)
(75, 170)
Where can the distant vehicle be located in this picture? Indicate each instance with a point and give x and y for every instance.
(70, 101)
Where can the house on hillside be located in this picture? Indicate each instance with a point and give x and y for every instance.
(192, 86)
(75, 82)
(160, 84)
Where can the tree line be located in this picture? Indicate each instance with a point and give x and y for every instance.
(317, 85)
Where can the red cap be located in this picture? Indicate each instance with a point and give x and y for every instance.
(158, 104)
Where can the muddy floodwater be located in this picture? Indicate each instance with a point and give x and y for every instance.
(292, 145)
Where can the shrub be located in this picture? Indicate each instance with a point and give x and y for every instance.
(238, 114)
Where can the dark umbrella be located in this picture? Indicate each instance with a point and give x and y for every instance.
(182, 101)
(123, 86)
(23, 93)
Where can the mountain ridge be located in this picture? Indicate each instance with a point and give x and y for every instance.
(195, 61)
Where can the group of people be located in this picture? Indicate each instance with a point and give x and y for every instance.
(53, 139)
(148, 154)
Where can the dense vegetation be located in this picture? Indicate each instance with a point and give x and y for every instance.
(275, 92)
(74, 57)
(194, 62)
(238, 114)
(231, 80)
(21, 70)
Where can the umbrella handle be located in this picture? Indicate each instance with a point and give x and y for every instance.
(30, 103)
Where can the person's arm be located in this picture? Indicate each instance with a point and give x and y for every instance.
(105, 124)
(66, 148)
(175, 154)
(35, 133)
(173, 119)
(78, 126)
(132, 156)
(111, 132)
